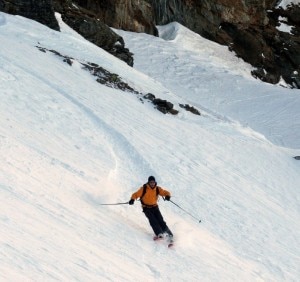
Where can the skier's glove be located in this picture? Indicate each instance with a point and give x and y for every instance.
(167, 198)
(131, 202)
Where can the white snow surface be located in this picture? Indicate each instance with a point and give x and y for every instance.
(283, 26)
(285, 3)
(69, 144)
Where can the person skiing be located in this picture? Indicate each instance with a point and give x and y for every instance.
(148, 195)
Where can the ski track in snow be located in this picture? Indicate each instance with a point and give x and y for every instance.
(121, 149)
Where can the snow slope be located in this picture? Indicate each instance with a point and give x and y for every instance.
(213, 79)
(68, 144)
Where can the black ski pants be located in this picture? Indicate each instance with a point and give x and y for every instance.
(156, 221)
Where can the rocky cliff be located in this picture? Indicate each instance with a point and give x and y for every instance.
(85, 22)
(41, 11)
(248, 27)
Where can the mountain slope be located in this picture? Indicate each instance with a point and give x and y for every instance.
(69, 144)
(211, 78)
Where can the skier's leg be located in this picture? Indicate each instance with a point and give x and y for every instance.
(161, 221)
(153, 221)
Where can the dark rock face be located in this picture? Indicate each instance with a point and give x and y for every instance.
(92, 29)
(38, 10)
(190, 109)
(83, 21)
(131, 15)
(286, 46)
(247, 27)
(161, 105)
(89, 24)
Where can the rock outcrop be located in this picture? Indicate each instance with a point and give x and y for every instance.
(250, 28)
(83, 21)
(90, 26)
(131, 15)
(41, 11)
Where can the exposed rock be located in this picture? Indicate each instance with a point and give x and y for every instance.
(131, 15)
(150, 97)
(190, 109)
(107, 78)
(103, 76)
(163, 106)
(113, 80)
(249, 27)
(92, 29)
(39, 10)
(83, 21)
(297, 158)
(286, 46)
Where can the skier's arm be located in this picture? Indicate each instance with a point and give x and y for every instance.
(164, 193)
(137, 194)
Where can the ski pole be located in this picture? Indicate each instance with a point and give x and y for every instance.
(186, 211)
(114, 204)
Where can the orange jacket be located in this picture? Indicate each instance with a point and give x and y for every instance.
(150, 198)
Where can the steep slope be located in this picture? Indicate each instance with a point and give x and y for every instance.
(69, 144)
(215, 80)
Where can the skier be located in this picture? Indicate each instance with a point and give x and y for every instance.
(148, 195)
